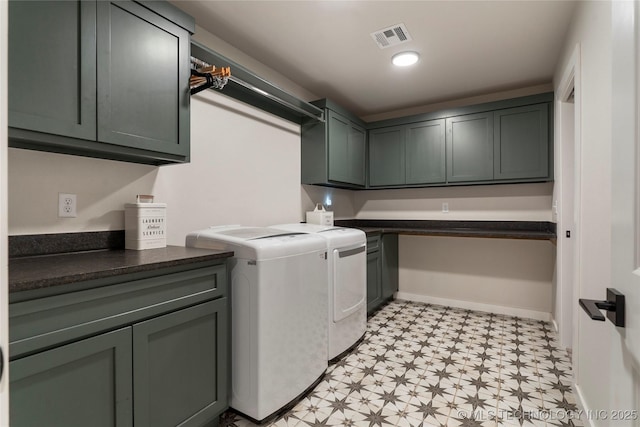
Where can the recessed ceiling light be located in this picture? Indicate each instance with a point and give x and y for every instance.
(404, 59)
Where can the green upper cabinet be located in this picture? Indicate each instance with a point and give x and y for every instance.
(346, 142)
(386, 156)
(333, 152)
(100, 79)
(411, 154)
(425, 152)
(470, 148)
(143, 75)
(521, 142)
(508, 141)
(52, 67)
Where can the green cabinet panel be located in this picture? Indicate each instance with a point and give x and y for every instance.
(374, 281)
(143, 75)
(333, 153)
(411, 154)
(52, 67)
(346, 148)
(382, 269)
(86, 383)
(179, 372)
(386, 156)
(357, 154)
(470, 148)
(425, 152)
(44, 322)
(521, 142)
(100, 79)
(389, 265)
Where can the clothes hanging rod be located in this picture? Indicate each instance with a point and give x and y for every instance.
(290, 105)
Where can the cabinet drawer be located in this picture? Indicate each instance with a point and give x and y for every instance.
(46, 322)
(373, 243)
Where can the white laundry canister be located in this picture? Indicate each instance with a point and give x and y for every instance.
(145, 225)
(320, 216)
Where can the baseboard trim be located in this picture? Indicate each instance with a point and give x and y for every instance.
(583, 410)
(470, 305)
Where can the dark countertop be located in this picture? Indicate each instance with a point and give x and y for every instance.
(532, 230)
(38, 272)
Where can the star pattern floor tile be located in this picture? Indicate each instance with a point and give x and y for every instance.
(434, 366)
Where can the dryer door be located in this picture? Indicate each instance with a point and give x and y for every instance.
(349, 280)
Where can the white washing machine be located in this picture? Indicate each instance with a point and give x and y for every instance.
(279, 314)
(347, 282)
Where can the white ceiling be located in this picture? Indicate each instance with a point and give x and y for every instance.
(467, 48)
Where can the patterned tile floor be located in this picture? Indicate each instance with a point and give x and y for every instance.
(429, 365)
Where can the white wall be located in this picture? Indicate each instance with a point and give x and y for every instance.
(505, 276)
(517, 202)
(479, 99)
(245, 169)
(591, 31)
(485, 274)
(102, 186)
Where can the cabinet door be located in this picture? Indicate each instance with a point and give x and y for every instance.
(86, 383)
(386, 156)
(521, 142)
(346, 144)
(180, 366)
(143, 79)
(356, 154)
(425, 152)
(470, 148)
(338, 146)
(374, 281)
(52, 71)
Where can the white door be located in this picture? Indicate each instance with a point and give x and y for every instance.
(624, 381)
(4, 303)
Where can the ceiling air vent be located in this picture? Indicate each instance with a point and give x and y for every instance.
(391, 36)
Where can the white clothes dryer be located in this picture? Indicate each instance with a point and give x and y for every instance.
(279, 312)
(347, 282)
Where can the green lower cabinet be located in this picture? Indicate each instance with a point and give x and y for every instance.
(374, 281)
(179, 377)
(174, 367)
(382, 270)
(150, 351)
(389, 265)
(86, 383)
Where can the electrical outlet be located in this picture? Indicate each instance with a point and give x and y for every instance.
(67, 205)
(445, 207)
